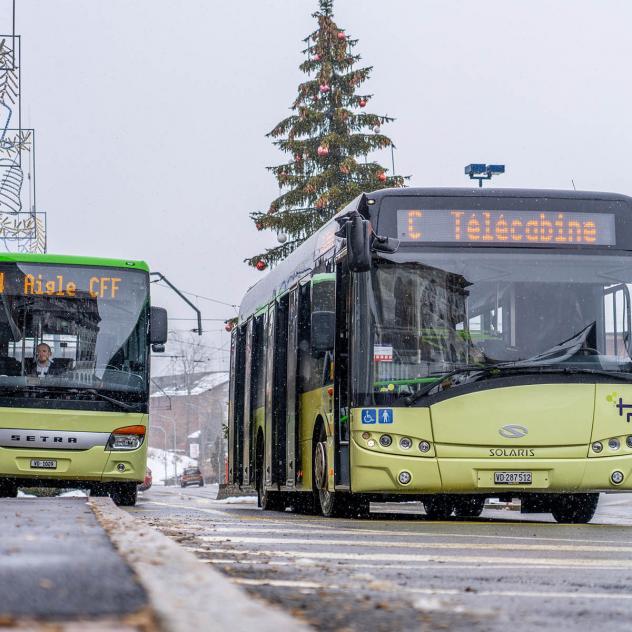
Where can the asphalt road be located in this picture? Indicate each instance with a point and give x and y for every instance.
(403, 572)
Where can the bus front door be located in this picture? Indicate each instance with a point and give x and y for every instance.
(341, 377)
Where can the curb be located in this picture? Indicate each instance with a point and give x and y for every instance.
(184, 593)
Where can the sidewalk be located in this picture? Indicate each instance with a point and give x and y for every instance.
(84, 564)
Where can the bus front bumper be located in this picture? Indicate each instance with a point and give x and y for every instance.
(94, 464)
(375, 472)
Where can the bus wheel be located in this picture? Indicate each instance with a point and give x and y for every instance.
(8, 489)
(575, 508)
(471, 507)
(329, 503)
(124, 494)
(439, 507)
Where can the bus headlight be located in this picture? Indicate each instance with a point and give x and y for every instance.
(126, 438)
(386, 440)
(628, 441)
(613, 444)
(424, 446)
(405, 477)
(597, 447)
(617, 477)
(405, 443)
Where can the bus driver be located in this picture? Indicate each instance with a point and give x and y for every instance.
(44, 364)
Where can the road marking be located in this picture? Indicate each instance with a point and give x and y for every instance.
(285, 528)
(279, 583)
(451, 592)
(208, 511)
(519, 593)
(517, 562)
(352, 566)
(417, 545)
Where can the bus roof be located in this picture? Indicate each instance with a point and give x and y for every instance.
(127, 264)
(507, 193)
(302, 260)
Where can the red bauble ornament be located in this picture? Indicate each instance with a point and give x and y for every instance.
(261, 265)
(228, 327)
(381, 176)
(341, 35)
(298, 157)
(362, 102)
(258, 225)
(324, 88)
(316, 57)
(323, 151)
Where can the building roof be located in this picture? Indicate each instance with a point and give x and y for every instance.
(192, 384)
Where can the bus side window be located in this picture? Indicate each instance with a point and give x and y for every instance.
(304, 356)
(323, 328)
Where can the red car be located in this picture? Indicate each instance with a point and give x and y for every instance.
(146, 484)
(191, 476)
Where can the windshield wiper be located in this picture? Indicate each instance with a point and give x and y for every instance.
(496, 370)
(107, 398)
(411, 399)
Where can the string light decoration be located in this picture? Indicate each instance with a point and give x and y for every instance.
(328, 141)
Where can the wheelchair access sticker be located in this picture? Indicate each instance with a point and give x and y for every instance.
(369, 416)
(372, 416)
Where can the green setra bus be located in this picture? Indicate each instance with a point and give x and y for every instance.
(75, 338)
(446, 346)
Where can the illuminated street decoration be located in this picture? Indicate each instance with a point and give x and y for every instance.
(22, 226)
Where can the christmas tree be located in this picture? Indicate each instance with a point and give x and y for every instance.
(328, 137)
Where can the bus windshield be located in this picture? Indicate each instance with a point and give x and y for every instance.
(70, 327)
(432, 313)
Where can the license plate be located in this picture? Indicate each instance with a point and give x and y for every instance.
(513, 478)
(44, 464)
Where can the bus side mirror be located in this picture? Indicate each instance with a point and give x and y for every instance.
(158, 328)
(323, 331)
(358, 244)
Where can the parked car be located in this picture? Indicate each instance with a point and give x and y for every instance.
(191, 476)
(146, 484)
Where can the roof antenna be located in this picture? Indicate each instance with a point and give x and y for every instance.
(574, 187)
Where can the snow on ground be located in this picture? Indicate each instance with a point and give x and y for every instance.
(156, 463)
(80, 493)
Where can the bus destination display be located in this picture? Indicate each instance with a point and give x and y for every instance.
(60, 285)
(506, 227)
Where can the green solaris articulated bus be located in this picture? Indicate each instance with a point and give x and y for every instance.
(442, 345)
(75, 338)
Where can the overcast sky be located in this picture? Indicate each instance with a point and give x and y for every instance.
(151, 115)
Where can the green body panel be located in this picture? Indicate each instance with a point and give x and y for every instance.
(555, 414)
(562, 421)
(74, 260)
(314, 404)
(95, 464)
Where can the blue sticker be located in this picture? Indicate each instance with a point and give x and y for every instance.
(369, 416)
(385, 415)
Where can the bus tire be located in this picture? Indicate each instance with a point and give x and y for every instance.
(439, 507)
(8, 489)
(124, 494)
(575, 508)
(469, 507)
(329, 502)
